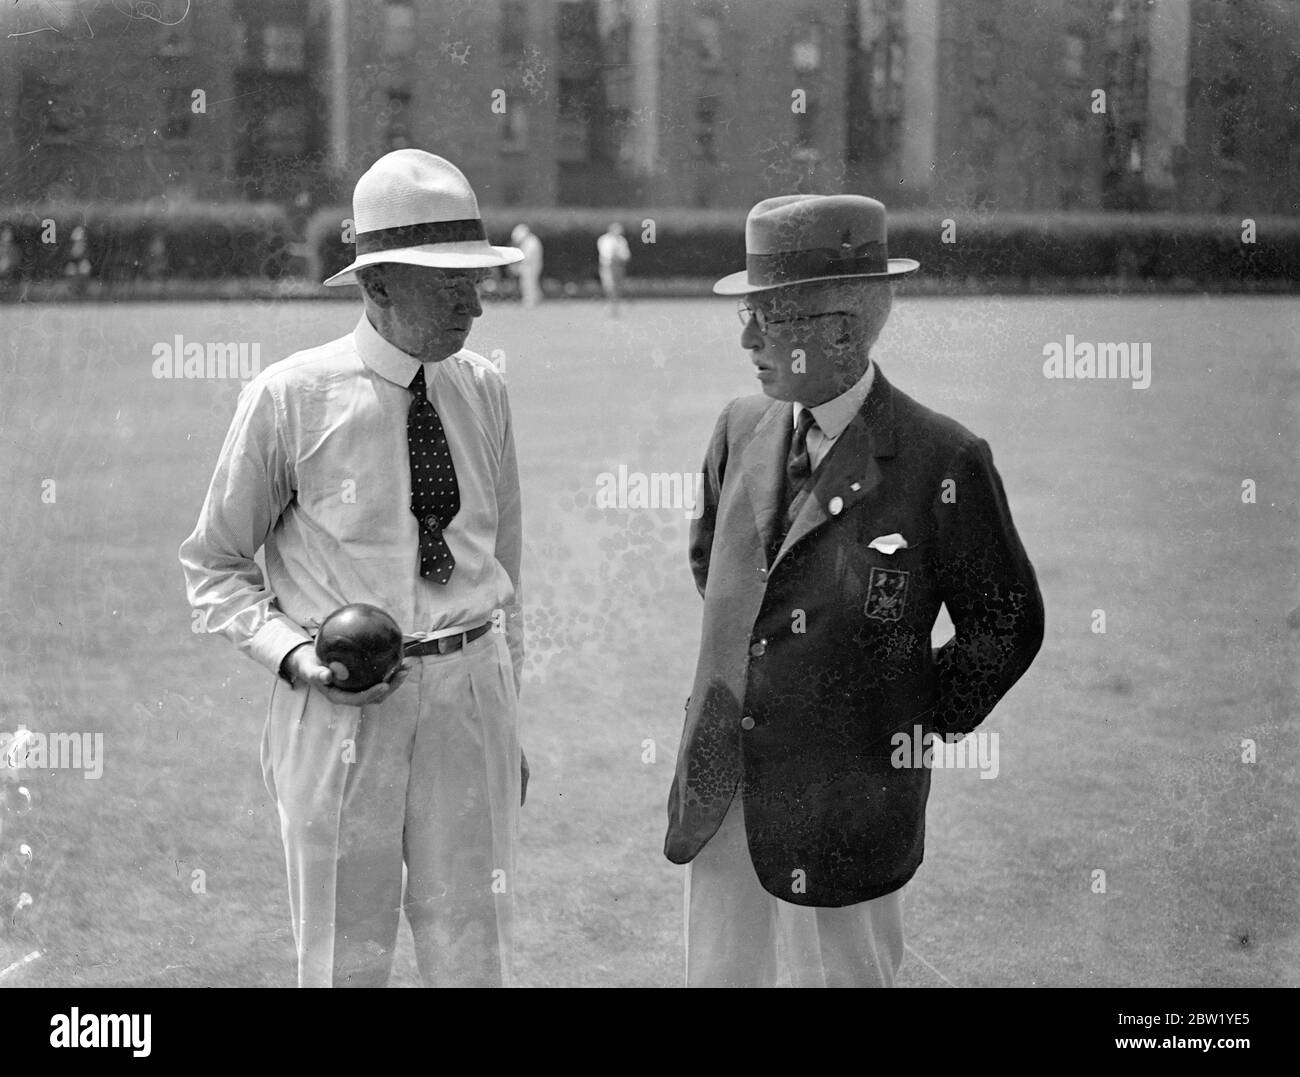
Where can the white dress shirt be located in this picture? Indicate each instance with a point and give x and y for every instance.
(613, 250)
(315, 470)
(833, 417)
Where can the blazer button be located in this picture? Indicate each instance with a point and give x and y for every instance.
(836, 506)
(758, 648)
(747, 723)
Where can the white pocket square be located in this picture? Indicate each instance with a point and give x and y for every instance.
(888, 543)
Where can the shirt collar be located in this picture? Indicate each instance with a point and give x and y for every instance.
(385, 359)
(836, 414)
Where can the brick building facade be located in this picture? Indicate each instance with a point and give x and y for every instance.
(962, 103)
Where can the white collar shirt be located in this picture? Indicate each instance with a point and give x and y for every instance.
(833, 417)
(315, 472)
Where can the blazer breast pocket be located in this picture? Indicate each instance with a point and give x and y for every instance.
(886, 586)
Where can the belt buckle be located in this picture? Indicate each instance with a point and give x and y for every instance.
(444, 643)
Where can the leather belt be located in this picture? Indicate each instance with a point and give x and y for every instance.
(444, 644)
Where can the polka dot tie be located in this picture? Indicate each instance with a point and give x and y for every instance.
(435, 494)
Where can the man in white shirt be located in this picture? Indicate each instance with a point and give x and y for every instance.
(529, 270)
(380, 468)
(613, 255)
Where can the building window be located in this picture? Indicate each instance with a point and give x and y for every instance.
(573, 98)
(885, 60)
(806, 52)
(579, 79)
(397, 120)
(514, 129)
(1231, 98)
(1125, 64)
(59, 121)
(616, 82)
(1227, 141)
(1135, 152)
(1072, 138)
(984, 54)
(177, 40)
(284, 131)
(574, 143)
(176, 124)
(239, 41)
(514, 28)
(620, 134)
(892, 92)
(1072, 63)
(876, 70)
(399, 29)
(708, 34)
(805, 133)
(283, 49)
(45, 107)
(705, 129)
(574, 135)
(574, 119)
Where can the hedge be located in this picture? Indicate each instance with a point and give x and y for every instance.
(1024, 247)
(1153, 247)
(687, 242)
(200, 241)
(252, 241)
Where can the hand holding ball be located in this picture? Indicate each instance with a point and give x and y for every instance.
(361, 644)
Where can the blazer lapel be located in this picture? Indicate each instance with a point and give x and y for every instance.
(763, 468)
(849, 471)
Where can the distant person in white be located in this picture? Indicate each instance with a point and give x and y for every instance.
(529, 271)
(614, 255)
(11, 256)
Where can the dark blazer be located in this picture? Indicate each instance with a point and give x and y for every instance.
(810, 662)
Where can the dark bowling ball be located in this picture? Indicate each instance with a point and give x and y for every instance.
(364, 640)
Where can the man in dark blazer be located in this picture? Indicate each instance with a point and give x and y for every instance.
(838, 515)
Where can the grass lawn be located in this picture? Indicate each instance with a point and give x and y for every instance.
(1119, 752)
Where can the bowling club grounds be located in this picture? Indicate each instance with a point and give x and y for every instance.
(1128, 839)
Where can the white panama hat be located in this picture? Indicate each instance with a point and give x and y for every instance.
(415, 207)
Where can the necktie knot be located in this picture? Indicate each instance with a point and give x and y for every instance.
(806, 422)
(417, 383)
(798, 464)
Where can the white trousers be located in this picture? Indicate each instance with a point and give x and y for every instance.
(430, 780)
(739, 935)
(530, 286)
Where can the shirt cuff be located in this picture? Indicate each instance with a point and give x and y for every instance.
(273, 641)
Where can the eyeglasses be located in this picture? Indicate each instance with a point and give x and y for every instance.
(463, 280)
(744, 311)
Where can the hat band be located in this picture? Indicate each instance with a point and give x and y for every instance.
(417, 235)
(765, 269)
